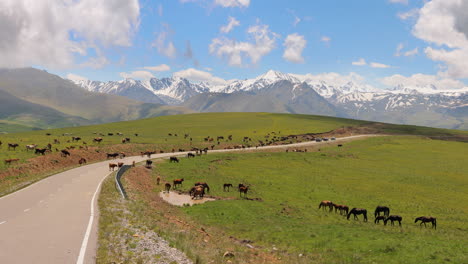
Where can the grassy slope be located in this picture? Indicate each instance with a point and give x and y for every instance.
(413, 176)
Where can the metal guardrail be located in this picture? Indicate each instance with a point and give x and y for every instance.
(118, 183)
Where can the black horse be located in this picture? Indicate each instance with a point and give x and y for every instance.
(358, 211)
(173, 159)
(393, 218)
(384, 209)
(379, 218)
(227, 186)
(427, 219)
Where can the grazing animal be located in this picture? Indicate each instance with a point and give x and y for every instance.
(342, 208)
(197, 191)
(357, 211)
(158, 180)
(40, 151)
(379, 218)
(112, 155)
(173, 159)
(190, 155)
(112, 166)
(326, 204)
(9, 161)
(243, 190)
(384, 209)
(65, 153)
(120, 164)
(177, 182)
(204, 184)
(76, 139)
(133, 164)
(30, 147)
(227, 186)
(167, 187)
(340, 145)
(82, 161)
(148, 163)
(393, 218)
(122, 155)
(125, 140)
(12, 146)
(97, 140)
(427, 219)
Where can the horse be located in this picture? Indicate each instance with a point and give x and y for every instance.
(198, 190)
(120, 164)
(393, 218)
(30, 147)
(204, 184)
(325, 204)
(427, 219)
(158, 180)
(358, 211)
(65, 153)
(112, 166)
(97, 140)
(227, 185)
(177, 182)
(112, 155)
(40, 151)
(379, 218)
(148, 163)
(9, 161)
(342, 208)
(125, 140)
(244, 190)
(173, 159)
(384, 209)
(12, 146)
(190, 155)
(167, 187)
(82, 161)
(76, 139)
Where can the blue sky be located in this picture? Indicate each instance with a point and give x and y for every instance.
(375, 39)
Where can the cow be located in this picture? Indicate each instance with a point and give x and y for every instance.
(30, 147)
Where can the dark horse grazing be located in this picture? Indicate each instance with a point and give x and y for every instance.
(244, 190)
(394, 218)
(325, 204)
(167, 187)
(204, 184)
(173, 159)
(227, 186)
(342, 208)
(427, 219)
(358, 211)
(64, 153)
(384, 209)
(12, 146)
(378, 218)
(198, 190)
(177, 182)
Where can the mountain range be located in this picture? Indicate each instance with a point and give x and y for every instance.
(289, 93)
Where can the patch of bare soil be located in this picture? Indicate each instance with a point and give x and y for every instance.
(182, 199)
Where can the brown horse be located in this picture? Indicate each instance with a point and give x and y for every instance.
(64, 153)
(227, 186)
(9, 161)
(384, 209)
(167, 187)
(356, 212)
(393, 218)
(342, 208)
(112, 166)
(427, 219)
(197, 191)
(325, 204)
(82, 161)
(243, 190)
(177, 182)
(379, 218)
(204, 184)
(120, 164)
(97, 140)
(158, 180)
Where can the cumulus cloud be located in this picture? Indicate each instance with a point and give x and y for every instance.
(379, 65)
(294, 44)
(163, 43)
(232, 3)
(75, 77)
(399, 51)
(263, 42)
(413, 13)
(232, 22)
(199, 76)
(158, 68)
(53, 33)
(422, 80)
(360, 62)
(445, 24)
(140, 75)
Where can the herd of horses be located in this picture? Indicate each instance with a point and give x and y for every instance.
(384, 210)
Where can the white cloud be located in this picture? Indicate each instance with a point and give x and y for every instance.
(158, 68)
(360, 62)
(200, 76)
(264, 41)
(75, 77)
(379, 65)
(54, 34)
(422, 80)
(140, 75)
(294, 44)
(163, 44)
(413, 13)
(325, 39)
(232, 22)
(232, 3)
(399, 51)
(405, 2)
(445, 23)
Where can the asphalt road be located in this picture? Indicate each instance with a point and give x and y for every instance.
(55, 219)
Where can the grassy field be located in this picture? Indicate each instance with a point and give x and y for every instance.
(412, 175)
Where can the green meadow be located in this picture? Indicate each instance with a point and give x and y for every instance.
(414, 176)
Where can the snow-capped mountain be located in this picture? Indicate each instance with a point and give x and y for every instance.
(261, 82)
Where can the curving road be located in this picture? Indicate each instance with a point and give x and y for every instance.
(55, 219)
